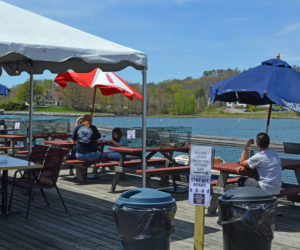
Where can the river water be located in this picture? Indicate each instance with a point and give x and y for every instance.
(287, 130)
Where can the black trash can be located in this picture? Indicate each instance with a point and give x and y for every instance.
(247, 215)
(144, 219)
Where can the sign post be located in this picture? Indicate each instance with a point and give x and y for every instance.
(201, 162)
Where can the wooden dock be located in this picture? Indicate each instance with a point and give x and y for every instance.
(90, 224)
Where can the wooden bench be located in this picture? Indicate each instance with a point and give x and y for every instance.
(132, 163)
(228, 181)
(165, 171)
(173, 171)
(289, 191)
(6, 148)
(82, 165)
(22, 152)
(100, 164)
(74, 162)
(180, 170)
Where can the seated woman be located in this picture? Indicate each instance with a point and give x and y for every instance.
(79, 121)
(85, 136)
(72, 153)
(115, 141)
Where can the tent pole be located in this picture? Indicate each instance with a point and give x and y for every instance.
(144, 126)
(269, 118)
(30, 112)
(93, 105)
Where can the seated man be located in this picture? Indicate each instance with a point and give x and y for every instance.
(267, 164)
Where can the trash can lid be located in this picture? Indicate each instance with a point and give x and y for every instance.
(145, 197)
(247, 194)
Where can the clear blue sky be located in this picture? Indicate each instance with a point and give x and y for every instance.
(182, 38)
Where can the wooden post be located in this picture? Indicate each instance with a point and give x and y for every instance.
(269, 118)
(200, 210)
(199, 228)
(93, 105)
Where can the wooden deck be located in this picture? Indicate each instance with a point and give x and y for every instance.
(90, 225)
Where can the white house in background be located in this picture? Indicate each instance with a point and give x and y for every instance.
(235, 105)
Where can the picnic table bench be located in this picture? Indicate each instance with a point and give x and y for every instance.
(23, 151)
(126, 152)
(289, 191)
(173, 171)
(6, 149)
(14, 139)
(81, 165)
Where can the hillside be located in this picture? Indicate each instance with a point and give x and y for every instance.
(189, 96)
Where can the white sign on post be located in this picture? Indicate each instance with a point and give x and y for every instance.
(130, 134)
(17, 125)
(199, 190)
(201, 160)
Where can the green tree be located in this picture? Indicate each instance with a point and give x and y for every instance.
(184, 102)
(23, 92)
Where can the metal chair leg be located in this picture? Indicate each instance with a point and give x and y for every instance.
(44, 196)
(174, 183)
(29, 201)
(10, 197)
(60, 197)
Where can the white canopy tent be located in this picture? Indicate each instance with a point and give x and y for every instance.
(32, 43)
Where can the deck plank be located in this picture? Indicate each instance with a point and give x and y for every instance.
(90, 224)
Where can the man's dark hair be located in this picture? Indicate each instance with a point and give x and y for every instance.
(262, 140)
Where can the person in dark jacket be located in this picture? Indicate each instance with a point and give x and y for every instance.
(85, 136)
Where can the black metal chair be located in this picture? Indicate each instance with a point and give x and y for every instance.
(46, 178)
(37, 155)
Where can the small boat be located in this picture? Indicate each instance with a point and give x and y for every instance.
(182, 159)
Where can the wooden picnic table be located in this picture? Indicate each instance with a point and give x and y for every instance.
(14, 139)
(60, 143)
(231, 168)
(127, 153)
(62, 136)
(12, 163)
(4, 131)
(45, 137)
(78, 164)
(52, 137)
(67, 144)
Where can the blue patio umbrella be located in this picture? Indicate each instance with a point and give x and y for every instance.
(4, 90)
(272, 82)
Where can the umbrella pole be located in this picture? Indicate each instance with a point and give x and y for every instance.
(93, 105)
(144, 127)
(269, 118)
(30, 112)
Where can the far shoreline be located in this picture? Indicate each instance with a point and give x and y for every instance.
(260, 115)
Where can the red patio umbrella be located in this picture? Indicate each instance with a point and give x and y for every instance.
(108, 82)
